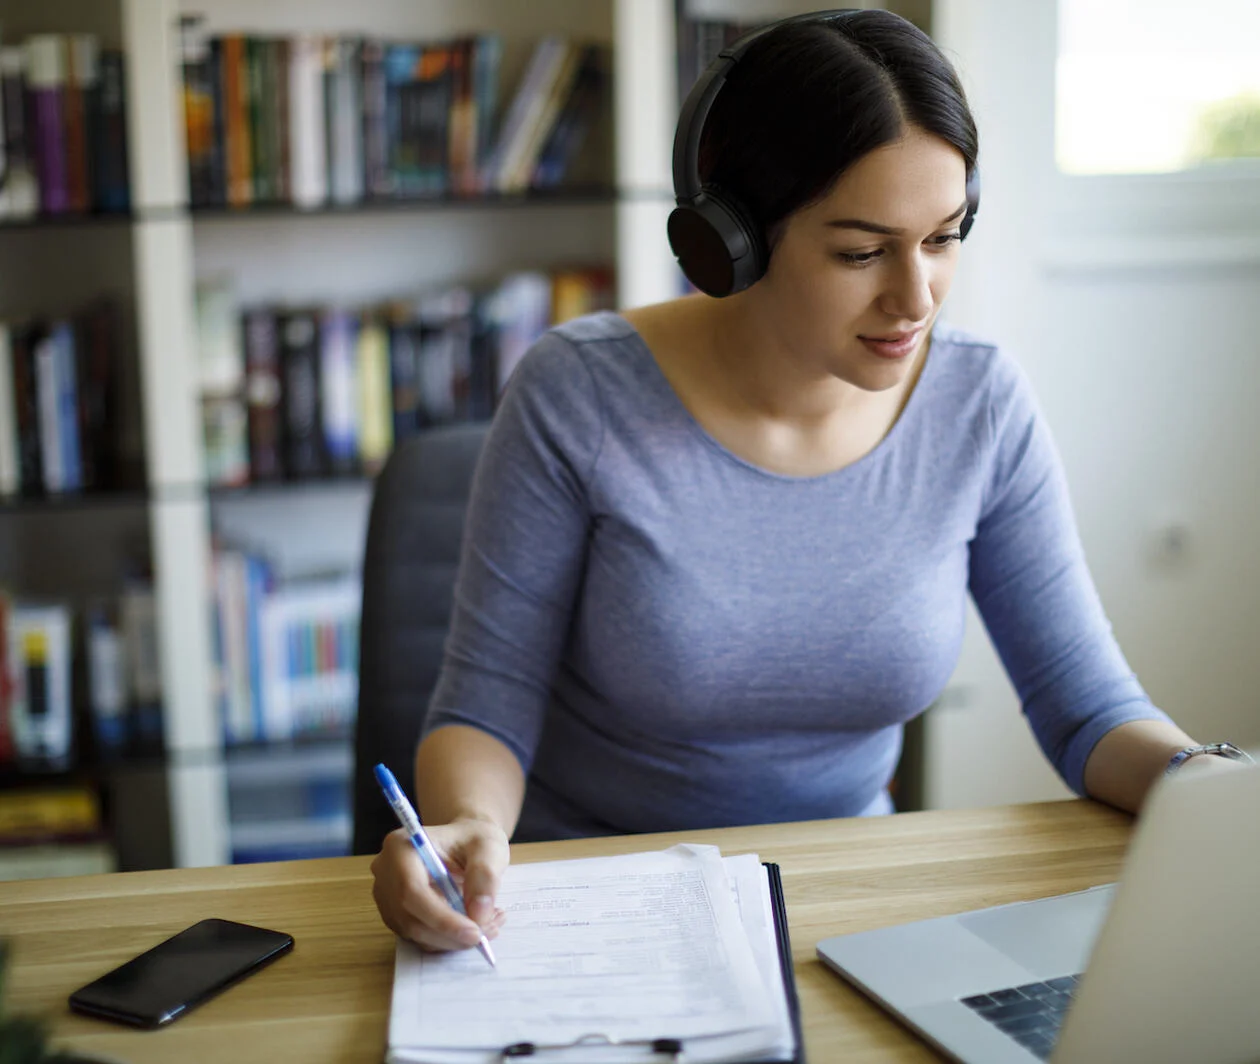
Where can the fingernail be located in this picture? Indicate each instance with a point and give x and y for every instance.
(482, 906)
(470, 936)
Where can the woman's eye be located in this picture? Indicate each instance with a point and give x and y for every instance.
(857, 258)
(945, 239)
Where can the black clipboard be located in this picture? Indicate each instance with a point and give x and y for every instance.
(779, 908)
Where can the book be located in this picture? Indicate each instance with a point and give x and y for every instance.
(45, 84)
(376, 417)
(26, 408)
(431, 106)
(461, 146)
(263, 391)
(19, 187)
(54, 460)
(8, 752)
(673, 954)
(82, 77)
(238, 158)
(137, 611)
(377, 173)
(97, 346)
(307, 151)
(199, 109)
(105, 650)
(39, 661)
(301, 422)
(339, 390)
(487, 53)
(108, 137)
(49, 814)
(10, 480)
(401, 68)
(344, 120)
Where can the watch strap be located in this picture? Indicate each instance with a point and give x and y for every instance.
(1227, 750)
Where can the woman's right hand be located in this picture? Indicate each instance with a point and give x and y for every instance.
(476, 854)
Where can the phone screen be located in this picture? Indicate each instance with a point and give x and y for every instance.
(166, 981)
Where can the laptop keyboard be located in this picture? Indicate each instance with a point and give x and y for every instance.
(1031, 1013)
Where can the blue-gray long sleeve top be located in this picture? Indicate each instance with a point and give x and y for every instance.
(669, 637)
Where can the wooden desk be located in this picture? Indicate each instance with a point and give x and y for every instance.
(329, 999)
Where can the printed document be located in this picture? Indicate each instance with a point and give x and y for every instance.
(604, 953)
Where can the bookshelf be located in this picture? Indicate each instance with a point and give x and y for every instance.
(154, 256)
(343, 255)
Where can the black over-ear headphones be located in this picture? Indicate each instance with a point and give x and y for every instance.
(719, 246)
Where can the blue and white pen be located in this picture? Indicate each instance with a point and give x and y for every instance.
(428, 853)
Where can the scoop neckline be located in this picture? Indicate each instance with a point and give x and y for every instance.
(876, 453)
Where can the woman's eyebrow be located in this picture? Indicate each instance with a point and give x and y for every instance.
(885, 230)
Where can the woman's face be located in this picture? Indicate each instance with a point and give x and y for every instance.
(872, 261)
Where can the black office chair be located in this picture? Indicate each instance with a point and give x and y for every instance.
(409, 565)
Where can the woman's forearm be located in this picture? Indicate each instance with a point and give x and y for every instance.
(463, 772)
(1130, 759)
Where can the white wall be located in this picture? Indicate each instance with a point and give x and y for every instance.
(1132, 304)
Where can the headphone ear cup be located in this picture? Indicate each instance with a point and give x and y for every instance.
(973, 203)
(719, 249)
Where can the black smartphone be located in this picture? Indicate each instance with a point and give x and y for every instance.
(174, 976)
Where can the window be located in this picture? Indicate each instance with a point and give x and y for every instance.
(1154, 86)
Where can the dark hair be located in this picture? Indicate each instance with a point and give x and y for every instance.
(811, 98)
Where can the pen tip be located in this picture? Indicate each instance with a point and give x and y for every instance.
(487, 952)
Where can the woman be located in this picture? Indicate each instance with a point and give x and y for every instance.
(718, 550)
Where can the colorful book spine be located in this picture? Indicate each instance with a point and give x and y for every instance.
(82, 87)
(107, 678)
(401, 133)
(302, 422)
(10, 479)
(39, 653)
(432, 102)
(236, 121)
(339, 406)
(376, 416)
(66, 373)
(282, 109)
(198, 108)
(262, 394)
(404, 375)
(486, 57)
(345, 120)
(48, 393)
(110, 177)
(216, 149)
(307, 140)
(22, 341)
(377, 175)
(461, 149)
(46, 82)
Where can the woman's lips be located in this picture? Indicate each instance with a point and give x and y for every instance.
(899, 347)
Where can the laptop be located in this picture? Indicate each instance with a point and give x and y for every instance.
(1163, 966)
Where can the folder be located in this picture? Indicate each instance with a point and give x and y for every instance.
(641, 1043)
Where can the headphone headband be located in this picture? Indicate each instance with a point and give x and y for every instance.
(695, 110)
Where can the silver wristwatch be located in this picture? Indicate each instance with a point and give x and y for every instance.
(1228, 750)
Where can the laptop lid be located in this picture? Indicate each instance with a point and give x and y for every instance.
(1175, 973)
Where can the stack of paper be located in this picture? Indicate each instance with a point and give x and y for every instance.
(600, 957)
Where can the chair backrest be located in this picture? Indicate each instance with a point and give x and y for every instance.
(409, 565)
